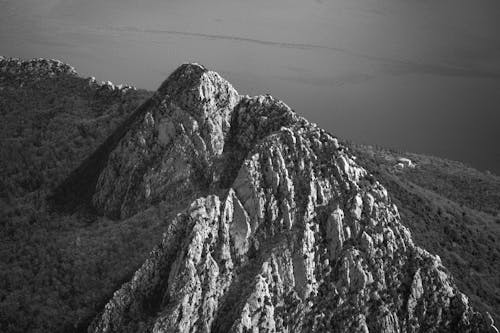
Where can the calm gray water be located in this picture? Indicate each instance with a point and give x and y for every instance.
(420, 75)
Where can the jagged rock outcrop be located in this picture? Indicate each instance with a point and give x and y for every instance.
(288, 234)
(171, 150)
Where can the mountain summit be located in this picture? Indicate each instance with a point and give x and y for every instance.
(282, 232)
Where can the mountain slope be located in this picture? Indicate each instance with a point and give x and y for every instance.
(452, 210)
(57, 269)
(288, 234)
(52, 116)
(189, 146)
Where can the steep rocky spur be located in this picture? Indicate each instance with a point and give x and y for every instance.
(285, 233)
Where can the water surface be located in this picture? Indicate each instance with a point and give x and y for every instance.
(420, 75)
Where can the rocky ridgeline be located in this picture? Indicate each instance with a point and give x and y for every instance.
(285, 233)
(169, 152)
(109, 86)
(34, 70)
(30, 69)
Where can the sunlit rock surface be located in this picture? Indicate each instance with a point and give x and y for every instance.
(288, 233)
(171, 150)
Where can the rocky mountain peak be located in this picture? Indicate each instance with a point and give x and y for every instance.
(285, 231)
(171, 148)
(205, 98)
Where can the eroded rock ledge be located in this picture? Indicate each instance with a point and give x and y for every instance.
(286, 233)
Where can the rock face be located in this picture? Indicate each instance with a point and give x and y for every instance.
(288, 233)
(172, 148)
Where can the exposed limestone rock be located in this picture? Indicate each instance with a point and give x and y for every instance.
(171, 151)
(293, 236)
(240, 228)
(416, 293)
(258, 310)
(166, 131)
(335, 233)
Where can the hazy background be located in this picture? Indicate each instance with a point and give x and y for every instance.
(420, 75)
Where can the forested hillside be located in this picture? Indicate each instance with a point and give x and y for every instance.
(56, 269)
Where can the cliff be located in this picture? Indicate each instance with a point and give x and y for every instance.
(285, 231)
